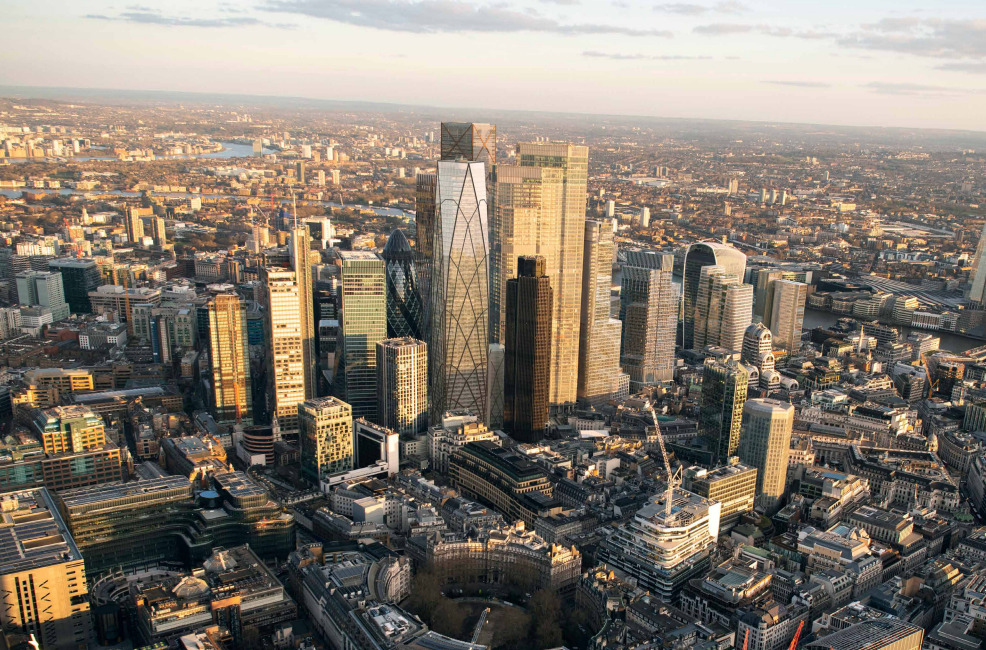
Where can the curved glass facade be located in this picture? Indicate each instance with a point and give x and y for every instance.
(405, 310)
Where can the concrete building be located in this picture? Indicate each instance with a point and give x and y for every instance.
(44, 289)
(453, 432)
(887, 633)
(599, 338)
(765, 444)
(402, 385)
(299, 248)
(649, 313)
(733, 485)
(784, 313)
(326, 434)
(285, 357)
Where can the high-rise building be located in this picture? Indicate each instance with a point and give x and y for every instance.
(527, 349)
(758, 351)
(424, 241)
(765, 444)
(472, 142)
(784, 313)
(79, 277)
(761, 279)
(724, 391)
(731, 260)
(977, 292)
(404, 306)
(68, 429)
(229, 354)
(525, 220)
(285, 358)
(299, 249)
(155, 225)
(43, 288)
(42, 575)
(573, 161)
(599, 338)
(662, 547)
(135, 224)
(459, 345)
(497, 359)
(326, 437)
(734, 485)
(363, 288)
(402, 385)
(648, 311)
(723, 309)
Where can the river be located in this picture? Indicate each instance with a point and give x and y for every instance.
(230, 150)
(949, 341)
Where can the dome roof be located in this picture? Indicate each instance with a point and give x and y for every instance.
(397, 247)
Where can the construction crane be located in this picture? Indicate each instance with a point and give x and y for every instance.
(932, 385)
(797, 636)
(673, 477)
(746, 639)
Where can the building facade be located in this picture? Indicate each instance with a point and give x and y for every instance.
(229, 354)
(698, 256)
(363, 287)
(649, 313)
(766, 443)
(402, 385)
(326, 437)
(599, 338)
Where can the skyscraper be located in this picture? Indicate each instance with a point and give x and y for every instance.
(784, 313)
(765, 444)
(573, 161)
(731, 260)
(229, 353)
(459, 346)
(79, 277)
(43, 288)
(723, 309)
(135, 225)
(724, 390)
(758, 351)
(424, 242)
(285, 358)
(326, 436)
(761, 281)
(527, 345)
(157, 230)
(599, 338)
(649, 312)
(977, 292)
(363, 288)
(402, 385)
(404, 306)
(469, 141)
(299, 248)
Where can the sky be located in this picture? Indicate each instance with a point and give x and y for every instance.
(864, 62)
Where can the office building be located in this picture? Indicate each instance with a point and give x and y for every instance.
(43, 288)
(497, 359)
(724, 392)
(649, 313)
(526, 220)
(258, 440)
(977, 292)
(285, 358)
(42, 575)
(363, 289)
(326, 437)
(154, 226)
(376, 445)
(135, 224)
(734, 485)
(299, 249)
(698, 256)
(404, 306)
(68, 429)
(79, 277)
(454, 432)
(573, 161)
(664, 548)
(402, 385)
(723, 309)
(425, 188)
(886, 633)
(459, 345)
(765, 444)
(504, 480)
(527, 350)
(472, 142)
(229, 354)
(599, 338)
(784, 313)
(758, 351)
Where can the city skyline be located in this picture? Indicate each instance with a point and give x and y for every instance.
(870, 63)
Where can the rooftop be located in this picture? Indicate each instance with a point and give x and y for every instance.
(32, 532)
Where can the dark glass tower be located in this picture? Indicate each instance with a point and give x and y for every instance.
(79, 277)
(527, 364)
(404, 306)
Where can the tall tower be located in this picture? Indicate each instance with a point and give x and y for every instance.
(285, 356)
(723, 309)
(766, 442)
(649, 312)
(977, 292)
(326, 437)
(599, 339)
(424, 240)
(459, 346)
(469, 141)
(573, 161)
(758, 351)
(402, 385)
(404, 307)
(79, 277)
(135, 225)
(724, 390)
(731, 260)
(300, 247)
(363, 288)
(527, 343)
(784, 313)
(229, 353)
(43, 288)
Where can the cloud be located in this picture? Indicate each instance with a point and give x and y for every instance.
(717, 29)
(563, 2)
(927, 37)
(912, 89)
(443, 16)
(693, 9)
(798, 84)
(147, 16)
(617, 56)
(722, 29)
(975, 67)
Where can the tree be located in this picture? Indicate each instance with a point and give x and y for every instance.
(545, 608)
(448, 618)
(511, 630)
(426, 594)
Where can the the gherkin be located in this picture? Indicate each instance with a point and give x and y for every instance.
(404, 306)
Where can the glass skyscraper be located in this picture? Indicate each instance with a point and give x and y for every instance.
(364, 322)
(404, 306)
(699, 255)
